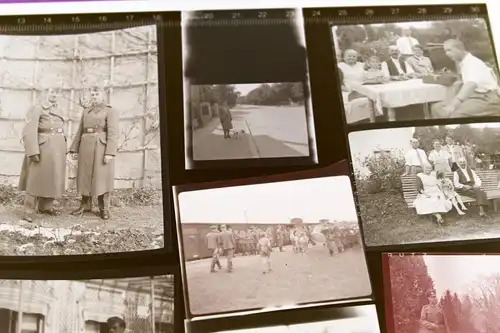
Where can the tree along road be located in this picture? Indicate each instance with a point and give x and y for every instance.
(263, 132)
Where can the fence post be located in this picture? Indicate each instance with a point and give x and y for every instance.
(20, 307)
(35, 71)
(153, 312)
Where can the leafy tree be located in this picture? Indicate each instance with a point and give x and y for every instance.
(451, 308)
(275, 94)
(374, 40)
(411, 287)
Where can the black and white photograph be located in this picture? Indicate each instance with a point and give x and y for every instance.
(417, 70)
(363, 320)
(80, 146)
(247, 103)
(443, 293)
(251, 247)
(129, 305)
(245, 121)
(427, 184)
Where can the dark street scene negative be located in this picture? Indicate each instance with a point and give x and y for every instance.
(80, 144)
(447, 293)
(427, 184)
(91, 306)
(365, 320)
(240, 239)
(244, 121)
(417, 70)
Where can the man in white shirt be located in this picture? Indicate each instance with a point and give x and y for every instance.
(467, 183)
(396, 66)
(406, 42)
(415, 159)
(478, 93)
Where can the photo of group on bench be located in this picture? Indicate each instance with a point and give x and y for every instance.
(435, 183)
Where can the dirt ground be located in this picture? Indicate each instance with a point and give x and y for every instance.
(296, 278)
(386, 220)
(131, 228)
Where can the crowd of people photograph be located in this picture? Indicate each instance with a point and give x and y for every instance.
(417, 70)
(242, 237)
(448, 173)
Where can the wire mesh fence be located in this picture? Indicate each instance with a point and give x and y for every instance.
(145, 305)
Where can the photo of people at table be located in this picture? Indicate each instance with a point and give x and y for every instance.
(428, 183)
(417, 70)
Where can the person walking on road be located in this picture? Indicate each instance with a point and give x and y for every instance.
(95, 146)
(226, 120)
(43, 172)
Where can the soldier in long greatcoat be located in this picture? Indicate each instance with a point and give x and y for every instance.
(95, 146)
(43, 172)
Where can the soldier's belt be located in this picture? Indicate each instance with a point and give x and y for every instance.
(90, 130)
(51, 130)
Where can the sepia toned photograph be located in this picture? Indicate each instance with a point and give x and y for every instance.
(443, 293)
(80, 144)
(236, 115)
(241, 244)
(417, 70)
(363, 319)
(130, 305)
(427, 184)
(244, 121)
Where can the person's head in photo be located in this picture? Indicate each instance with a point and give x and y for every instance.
(52, 95)
(455, 49)
(437, 144)
(449, 140)
(414, 142)
(350, 56)
(394, 51)
(116, 325)
(374, 63)
(418, 50)
(427, 169)
(462, 162)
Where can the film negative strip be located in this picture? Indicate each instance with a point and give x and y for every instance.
(248, 105)
(409, 78)
(66, 81)
(385, 14)
(245, 17)
(46, 24)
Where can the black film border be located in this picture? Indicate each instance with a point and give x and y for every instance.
(386, 14)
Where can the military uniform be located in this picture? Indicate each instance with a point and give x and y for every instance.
(43, 180)
(97, 136)
(226, 243)
(213, 244)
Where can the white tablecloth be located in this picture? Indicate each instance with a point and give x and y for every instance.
(403, 93)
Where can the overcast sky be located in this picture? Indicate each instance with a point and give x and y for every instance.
(459, 272)
(244, 89)
(309, 199)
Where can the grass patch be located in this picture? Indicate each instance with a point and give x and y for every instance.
(143, 196)
(387, 220)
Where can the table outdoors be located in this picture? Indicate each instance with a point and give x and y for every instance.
(401, 93)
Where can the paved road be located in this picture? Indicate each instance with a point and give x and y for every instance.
(296, 278)
(264, 132)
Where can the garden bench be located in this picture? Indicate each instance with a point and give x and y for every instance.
(489, 179)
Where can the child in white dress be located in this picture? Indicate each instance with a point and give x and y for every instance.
(450, 193)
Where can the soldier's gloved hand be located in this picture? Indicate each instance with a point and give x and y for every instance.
(35, 158)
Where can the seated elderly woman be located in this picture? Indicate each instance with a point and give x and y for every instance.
(430, 199)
